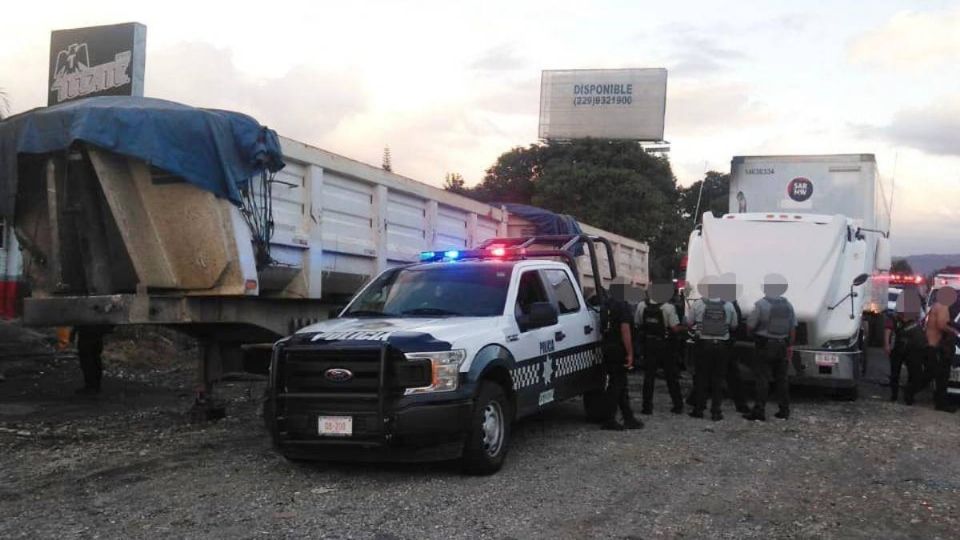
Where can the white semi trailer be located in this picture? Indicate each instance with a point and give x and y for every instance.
(823, 223)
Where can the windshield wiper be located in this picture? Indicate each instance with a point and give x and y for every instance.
(368, 313)
(429, 311)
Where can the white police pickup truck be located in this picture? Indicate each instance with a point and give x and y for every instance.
(435, 360)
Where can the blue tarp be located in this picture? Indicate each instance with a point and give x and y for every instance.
(218, 151)
(547, 222)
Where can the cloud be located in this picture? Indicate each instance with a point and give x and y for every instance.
(306, 103)
(500, 58)
(697, 55)
(934, 128)
(910, 41)
(709, 106)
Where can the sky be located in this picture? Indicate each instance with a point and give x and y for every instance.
(449, 86)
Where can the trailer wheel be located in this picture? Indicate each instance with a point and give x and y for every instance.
(595, 406)
(488, 438)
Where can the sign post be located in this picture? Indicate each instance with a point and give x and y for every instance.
(97, 61)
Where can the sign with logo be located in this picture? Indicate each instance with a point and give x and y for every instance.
(97, 61)
(603, 103)
(800, 189)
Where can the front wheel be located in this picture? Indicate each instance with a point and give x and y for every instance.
(489, 436)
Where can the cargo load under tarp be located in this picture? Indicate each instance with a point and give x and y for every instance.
(217, 151)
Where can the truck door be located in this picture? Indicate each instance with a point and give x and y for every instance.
(532, 351)
(576, 360)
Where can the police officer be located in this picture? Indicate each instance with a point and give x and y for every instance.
(904, 343)
(712, 319)
(941, 337)
(616, 320)
(659, 325)
(773, 324)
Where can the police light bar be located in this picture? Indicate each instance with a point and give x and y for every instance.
(491, 252)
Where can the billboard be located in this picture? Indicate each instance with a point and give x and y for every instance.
(97, 61)
(603, 103)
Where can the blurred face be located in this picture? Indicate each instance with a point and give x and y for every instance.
(774, 285)
(946, 296)
(660, 293)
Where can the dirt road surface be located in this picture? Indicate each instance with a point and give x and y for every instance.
(127, 464)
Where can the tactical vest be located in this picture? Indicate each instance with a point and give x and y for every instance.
(652, 321)
(779, 323)
(714, 324)
(908, 335)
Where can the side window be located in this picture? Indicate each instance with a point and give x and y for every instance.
(530, 290)
(563, 291)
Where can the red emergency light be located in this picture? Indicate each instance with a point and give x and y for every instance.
(905, 279)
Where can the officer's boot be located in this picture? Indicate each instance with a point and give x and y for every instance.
(783, 413)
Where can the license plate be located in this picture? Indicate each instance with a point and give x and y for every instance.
(827, 359)
(340, 426)
(955, 375)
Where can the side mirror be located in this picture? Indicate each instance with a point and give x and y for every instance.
(860, 280)
(541, 314)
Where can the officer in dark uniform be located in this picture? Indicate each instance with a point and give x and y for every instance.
(734, 380)
(773, 323)
(616, 320)
(904, 343)
(659, 324)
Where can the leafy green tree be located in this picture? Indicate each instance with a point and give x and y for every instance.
(715, 197)
(511, 178)
(618, 187)
(901, 266)
(387, 164)
(610, 184)
(455, 183)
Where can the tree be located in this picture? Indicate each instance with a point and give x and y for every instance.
(454, 182)
(901, 266)
(511, 178)
(618, 187)
(715, 197)
(387, 164)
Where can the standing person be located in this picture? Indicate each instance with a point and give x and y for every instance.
(90, 352)
(712, 319)
(905, 343)
(773, 323)
(941, 337)
(615, 323)
(734, 380)
(659, 324)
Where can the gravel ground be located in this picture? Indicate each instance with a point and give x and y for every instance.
(128, 465)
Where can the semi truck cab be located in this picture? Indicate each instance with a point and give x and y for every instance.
(435, 360)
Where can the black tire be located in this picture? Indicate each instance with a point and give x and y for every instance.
(488, 438)
(595, 406)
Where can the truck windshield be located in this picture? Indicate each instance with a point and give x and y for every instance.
(446, 291)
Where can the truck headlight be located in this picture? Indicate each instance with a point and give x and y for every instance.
(445, 370)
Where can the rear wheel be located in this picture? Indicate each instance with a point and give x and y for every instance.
(488, 438)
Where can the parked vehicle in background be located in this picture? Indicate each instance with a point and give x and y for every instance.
(823, 223)
(893, 293)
